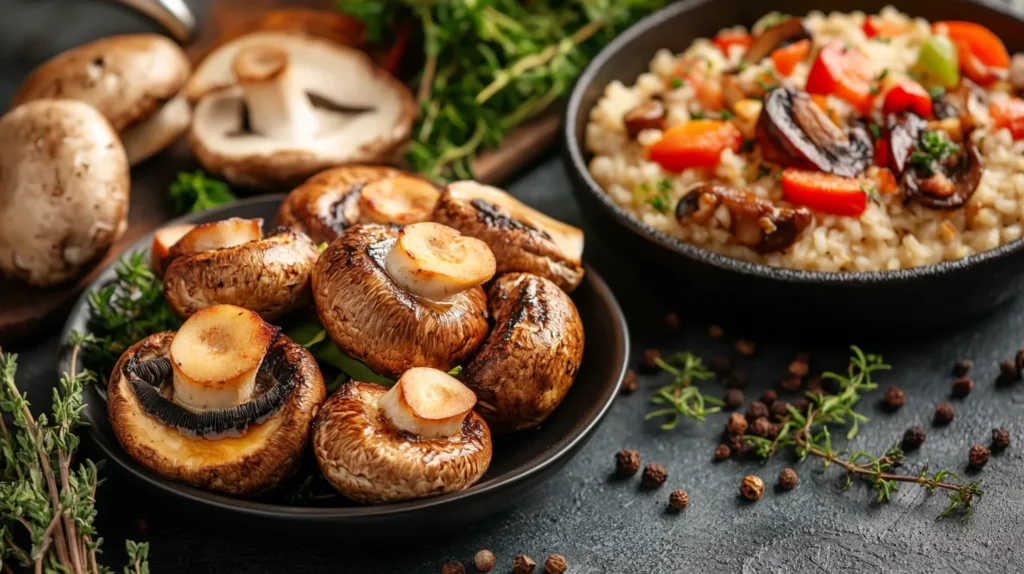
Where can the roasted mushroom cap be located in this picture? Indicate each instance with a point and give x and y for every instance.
(337, 198)
(373, 318)
(133, 80)
(366, 440)
(754, 221)
(522, 238)
(529, 361)
(793, 131)
(295, 105)
(63, 190)
(243, 447)
(947, 183)
(270, 276)
(904, 131)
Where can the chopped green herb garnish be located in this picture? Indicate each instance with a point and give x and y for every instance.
(883, 75)
(870, 191)
(677, 83)
(763, 171)
(659, 202)
(936, 92)
(664, 185)
(197, 191)
(875, 90)
(697, 116)
(922, 161)
(937, 145)
(726, 115)
(875, 129)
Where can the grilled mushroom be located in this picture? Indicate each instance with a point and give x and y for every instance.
(529, 361)
(335, 199)
(227, 262)
(396, 299)
(904, 131)
(792, 131)
(224, 404)
(944, 183)
(754, 221)
(786, 32)
(522, 238)
(420, 438)
(967, 103)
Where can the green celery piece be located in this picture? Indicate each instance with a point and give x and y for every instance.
(938, 61)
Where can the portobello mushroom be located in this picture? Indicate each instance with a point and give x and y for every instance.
(522, 238)
(225, 404)
(227, 262)
(401, 298)
(754, 221)
(420, 438)
(335, 199)
(794, 132)
(529, 361)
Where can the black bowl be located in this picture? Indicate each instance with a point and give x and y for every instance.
(521, 462)
(904, 300)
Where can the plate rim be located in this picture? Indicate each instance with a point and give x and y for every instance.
(562, 451)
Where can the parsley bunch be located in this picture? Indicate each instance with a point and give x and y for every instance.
(197, 191)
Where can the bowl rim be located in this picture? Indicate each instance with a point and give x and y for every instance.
(551, 456)
(575, 156)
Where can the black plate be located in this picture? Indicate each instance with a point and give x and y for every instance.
(903, 300)
(521, 462)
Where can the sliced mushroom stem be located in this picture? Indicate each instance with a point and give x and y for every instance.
(436, 262)
(278, 106)
(427, 403)
(400, 200)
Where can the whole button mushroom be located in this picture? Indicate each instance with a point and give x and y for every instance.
(133, 80)
(64, 187)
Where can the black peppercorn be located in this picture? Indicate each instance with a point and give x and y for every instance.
(627, 462)
(737, 379)
(768, 397)
(629, 383)
(555, 564)
(746, 347)
(721, 366)
(735, 442)
(962, 386)
(672, 322)
(800, 366)
(679, 499)
(722, 452)
(756, 410)
(893, 398)
(913, 438)
(453, 567)
(649, 364)
(523, 564)
(944, 413)
(736, 424)
(733, 399)
(788, 479)
(790, 383)
(654, 476)
(780, 410)
(761, 427)
(1008, 372)
(962, 367)
(1000, 439)
(978, 456)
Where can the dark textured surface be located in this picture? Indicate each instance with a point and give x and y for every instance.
(604, 525)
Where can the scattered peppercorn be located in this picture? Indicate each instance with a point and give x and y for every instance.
(978, 456)
(716, 332)
(484, 560)
(944, 413)
(629, 383)
(736, 424)
(737, 379)
(679, 500)
(913, 438)
(790, 383)
(802, 404)
(962, 367)
(555, 564)
(627, 462)
(894, 398)
(752, 487)
(654, 476)
(523, 564)
(756, 410)
(649, 364)
(780, 410)
(761, 427)
(800, 366)
(733, 399)
(721, 366)
(453, 567)
(746, 348)
(769, 396)
(962, 387)
(722, 452)
(672, 322)
(1008, 372)
(1000, 439)
(735, 442)
(788, 479)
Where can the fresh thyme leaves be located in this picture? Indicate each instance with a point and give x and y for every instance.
(682, 397)
(197, 191)
(936, 92)
(41, 492)
(875, 129)
(872, 193)
(677, 83)
(934, 147)
(490, 66)
(808, 433)
(125, 311)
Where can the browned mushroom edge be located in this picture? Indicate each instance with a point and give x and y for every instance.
(780, 35)
(370, 462)
(649, 115)
(754, 221)
(381, 325)
(243, 451)
(793, 131)
(943, 183)
(270, 276)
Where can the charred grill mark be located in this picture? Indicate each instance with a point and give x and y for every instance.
(491, 216)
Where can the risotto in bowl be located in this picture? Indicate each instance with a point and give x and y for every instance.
(809, 155)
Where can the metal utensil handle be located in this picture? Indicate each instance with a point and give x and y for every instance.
(173, 15)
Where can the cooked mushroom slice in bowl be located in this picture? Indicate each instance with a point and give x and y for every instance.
(941, 174)
(401, 298)
(330, 201)
(290, 105)
(522, 238)
(133, 80)
(753, 221)
(526, 366)
(420, 438)
(224, 404)
(229, 262)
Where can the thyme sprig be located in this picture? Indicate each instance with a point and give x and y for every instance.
(682, 397)
(808, 433)
(42, 497)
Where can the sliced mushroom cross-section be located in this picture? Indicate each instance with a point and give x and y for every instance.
(942, 174)
(754, 221)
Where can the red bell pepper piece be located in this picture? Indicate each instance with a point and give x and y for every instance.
(824, 192)
(908, 95)
(1008, 114)
(844, 73)
(696, 143)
